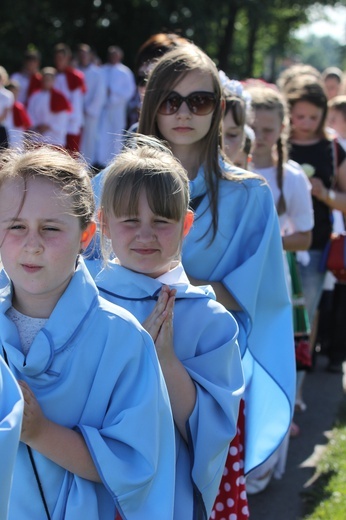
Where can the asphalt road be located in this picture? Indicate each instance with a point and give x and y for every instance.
(284, 499)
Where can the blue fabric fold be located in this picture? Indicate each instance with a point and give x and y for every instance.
(11, 413)
(205, 341)
(247, 257)
(93, 368)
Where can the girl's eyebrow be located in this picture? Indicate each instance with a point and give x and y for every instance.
(45, 220)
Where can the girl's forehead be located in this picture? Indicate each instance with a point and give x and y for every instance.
(198, 79)
(305, 106)
(36, 194)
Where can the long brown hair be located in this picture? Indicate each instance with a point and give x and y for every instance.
(309, 89)
(167, 73)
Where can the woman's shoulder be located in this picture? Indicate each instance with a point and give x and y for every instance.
(233, 173)
(236, 179)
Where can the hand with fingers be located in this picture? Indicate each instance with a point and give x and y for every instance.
(34, 420)
(159, 323)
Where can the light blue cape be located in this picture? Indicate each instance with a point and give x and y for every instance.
(94, 368)
(11, 412)
(204, 337)
(247, 257)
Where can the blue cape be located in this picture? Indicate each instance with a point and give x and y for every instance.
(247, 257)
(94, 368)
(11, 412)
(204, 336)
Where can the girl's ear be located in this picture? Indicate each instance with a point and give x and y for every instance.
(87, 235)
(103, 221)
(188, 221)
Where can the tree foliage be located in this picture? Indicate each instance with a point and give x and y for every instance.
(244, 37)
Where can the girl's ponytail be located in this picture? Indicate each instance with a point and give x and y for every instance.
(281, 204)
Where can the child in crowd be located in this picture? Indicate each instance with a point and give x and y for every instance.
(238, 136)
(71, 82)
(49, 110)
(234, 245)
(291, 192)
(29, 77)
(336, 118)
(333, 81)
(87, 369)
(145, 214)
(18, 120)
(312, 147)
(288, 182)
(11, 412)
(6, 104)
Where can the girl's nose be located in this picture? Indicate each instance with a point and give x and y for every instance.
(184, 111)
(33, 243)
(145, 233)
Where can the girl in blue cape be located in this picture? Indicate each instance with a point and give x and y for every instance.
(97, 434)
(11, 412)
(235, 243)
(144, 212)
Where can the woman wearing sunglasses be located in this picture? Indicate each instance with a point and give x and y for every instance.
(235, 246)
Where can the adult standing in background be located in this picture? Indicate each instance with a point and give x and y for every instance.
(120, 87)
(93, 101)
(70, 82)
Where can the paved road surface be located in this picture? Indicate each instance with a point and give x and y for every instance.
(282, 500)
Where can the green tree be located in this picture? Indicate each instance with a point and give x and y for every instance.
(242, 36)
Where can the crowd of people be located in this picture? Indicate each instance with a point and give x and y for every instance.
(162, 233)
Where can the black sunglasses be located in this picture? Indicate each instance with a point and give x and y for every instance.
(199, 103)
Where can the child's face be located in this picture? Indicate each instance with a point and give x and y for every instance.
(61, 61)
(233, 136)
(305, 120)
(48, 81)
(183, 128)
(267, 126)
(337, 121)
(332, 87)
(38, 246)
(145, 243)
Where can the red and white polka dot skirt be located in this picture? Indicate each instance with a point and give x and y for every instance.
(231, 502)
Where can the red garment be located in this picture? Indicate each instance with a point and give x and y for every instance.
(21, 118)
(75, 79)
(73, 142)
(231, 501)
(59, 102)
(35, 84)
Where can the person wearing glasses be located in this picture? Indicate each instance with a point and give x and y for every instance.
(234, 245)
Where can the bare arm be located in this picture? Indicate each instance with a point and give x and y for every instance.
(322, 193)
(222, 295)
(180, 386)
(299, 241)
(62, 445)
